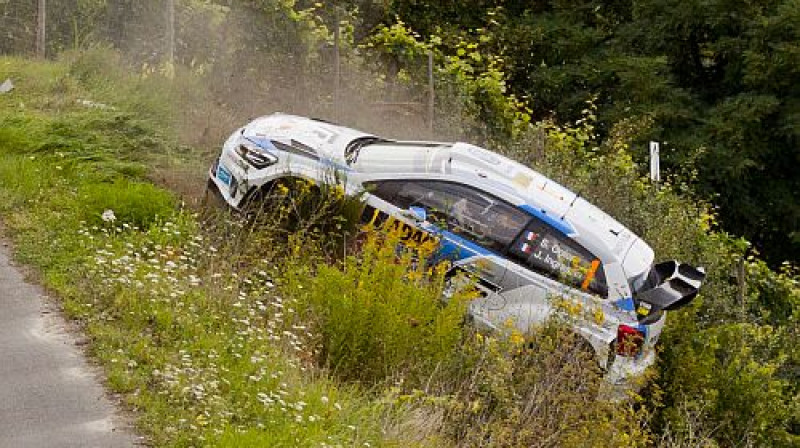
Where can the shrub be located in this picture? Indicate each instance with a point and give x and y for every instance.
(378, 316)
(536, 390)
(724, 381)
(299, 206)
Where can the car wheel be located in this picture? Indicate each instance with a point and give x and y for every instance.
(212, 198)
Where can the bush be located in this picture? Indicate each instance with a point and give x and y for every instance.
(378, 316)
(536, 390)
(723, 381)
(300, 207)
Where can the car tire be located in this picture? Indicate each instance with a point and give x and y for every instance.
(212, 198)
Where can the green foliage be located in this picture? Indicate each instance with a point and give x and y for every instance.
(399, 41)
(378, 317)
(726, 377)
(134, 203)
(540, 390)
(465, 70)
(484, 83)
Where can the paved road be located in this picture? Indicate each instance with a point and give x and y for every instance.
(49, 395)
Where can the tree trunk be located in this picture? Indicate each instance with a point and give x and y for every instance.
(41, 26)
(431, 94)
(171, 31)
(337, 74)
(118, 12)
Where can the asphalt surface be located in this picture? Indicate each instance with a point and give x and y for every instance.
(49, 395)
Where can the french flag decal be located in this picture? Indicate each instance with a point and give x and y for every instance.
(530, 236)
(527, 248)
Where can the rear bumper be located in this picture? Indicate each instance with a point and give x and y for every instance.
(626, 376)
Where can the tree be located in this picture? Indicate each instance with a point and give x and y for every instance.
(718, 77)
(738, 62)
(41, 29)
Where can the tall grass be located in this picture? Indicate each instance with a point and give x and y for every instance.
(259, 332)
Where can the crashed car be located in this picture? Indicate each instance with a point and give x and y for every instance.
(536, 249)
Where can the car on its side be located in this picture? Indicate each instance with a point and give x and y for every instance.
(532, 244)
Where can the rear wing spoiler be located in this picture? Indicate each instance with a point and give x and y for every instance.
(676, 285)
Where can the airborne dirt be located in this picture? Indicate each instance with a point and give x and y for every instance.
(49, 395)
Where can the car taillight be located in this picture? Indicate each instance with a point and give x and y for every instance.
(629, 341)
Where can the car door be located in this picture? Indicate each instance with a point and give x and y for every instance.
(382, 211)
(475, 228)
(546, 267)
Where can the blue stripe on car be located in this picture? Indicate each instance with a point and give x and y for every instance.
(559, 224)
(454, 247)
(263, 143)
(625, 304)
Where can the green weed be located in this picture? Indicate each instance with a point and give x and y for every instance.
(378, 317)
(220, 333)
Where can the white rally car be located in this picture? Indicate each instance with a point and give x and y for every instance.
(536, 248)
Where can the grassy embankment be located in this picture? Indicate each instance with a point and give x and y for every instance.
(198, 349)
(216, 334)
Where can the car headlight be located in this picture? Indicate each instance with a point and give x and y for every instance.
(255, 155)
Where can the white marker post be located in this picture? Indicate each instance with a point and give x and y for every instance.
(655, 163)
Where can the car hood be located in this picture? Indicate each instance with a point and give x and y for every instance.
(327, 139)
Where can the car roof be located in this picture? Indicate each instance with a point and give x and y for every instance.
(467, 163)
(525, 187)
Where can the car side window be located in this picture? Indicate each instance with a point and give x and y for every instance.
(463, 210)
(545, 250)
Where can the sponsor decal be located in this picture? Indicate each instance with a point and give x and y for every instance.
(224, 175)
(410, 237)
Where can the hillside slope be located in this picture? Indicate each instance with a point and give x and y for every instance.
(222, 334)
